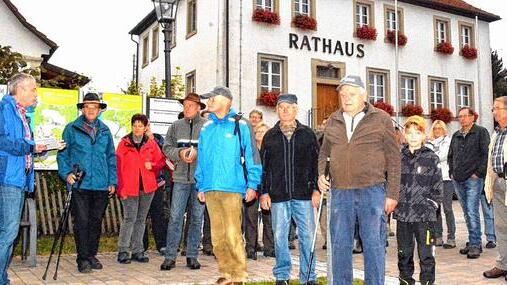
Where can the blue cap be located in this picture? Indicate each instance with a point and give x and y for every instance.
(287, 98)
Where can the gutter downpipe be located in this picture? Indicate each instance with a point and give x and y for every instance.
(137, 60)
(227, 35)
(240, 85)
(478, 67)
(396, 63)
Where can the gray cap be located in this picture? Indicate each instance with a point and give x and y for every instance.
(351, 80)
(218, 90)
(287, 98)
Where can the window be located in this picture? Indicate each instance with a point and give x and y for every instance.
(302, 7)
(154, 43)
(437, 92)
(409, 89)
(364, 13)
(272, 73)
(466, 34)
(464, 94)
(390, 18)
(442, 32)
(146, 50)
(328, 71)
(191, 18)
(265, 5)
(378, 85)
(190, 82)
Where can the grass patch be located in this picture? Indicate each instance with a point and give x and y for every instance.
(108, 243)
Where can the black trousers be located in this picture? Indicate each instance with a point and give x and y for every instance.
(158, 220)
(405, 235)
(88, 208)
(206, 232)
(267, 232)
(251, 224)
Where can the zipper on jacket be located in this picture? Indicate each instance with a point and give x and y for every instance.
(190, 143)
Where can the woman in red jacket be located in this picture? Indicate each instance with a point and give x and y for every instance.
(139, 161)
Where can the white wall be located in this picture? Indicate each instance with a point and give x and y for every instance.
(22, 40)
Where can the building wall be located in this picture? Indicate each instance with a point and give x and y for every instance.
(335, 21)
(199, 52)
(22, 40)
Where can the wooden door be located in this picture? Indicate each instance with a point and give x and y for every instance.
(328, 101)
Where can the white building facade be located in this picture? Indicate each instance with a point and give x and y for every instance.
(252, 57)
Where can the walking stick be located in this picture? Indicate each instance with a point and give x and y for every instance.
(319, 212)
(62, 226)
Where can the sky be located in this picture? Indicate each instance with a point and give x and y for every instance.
(94, 40)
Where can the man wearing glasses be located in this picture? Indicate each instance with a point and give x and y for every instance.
(468, 156)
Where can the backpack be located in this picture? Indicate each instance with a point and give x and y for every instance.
(237, 132)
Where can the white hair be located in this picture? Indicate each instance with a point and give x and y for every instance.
(17, 79)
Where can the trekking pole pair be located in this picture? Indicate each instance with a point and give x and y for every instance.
(62, 227)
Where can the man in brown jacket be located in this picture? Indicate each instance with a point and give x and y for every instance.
(364, 163)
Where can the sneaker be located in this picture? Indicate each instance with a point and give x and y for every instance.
(439, 241)
(140, 257)
(162, 250)
(123, 257)
(449, 244)
(84, 266)
(251, 254)
(464, 250)
(193, 263)
(491, 244)
(168, 264)
(269, 253)
(473, 252)
(495, 272)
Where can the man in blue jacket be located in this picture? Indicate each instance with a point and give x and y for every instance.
(16, 161)
(223, 181)
(90, 145)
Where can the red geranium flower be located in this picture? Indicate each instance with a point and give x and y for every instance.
(266, 16)
(366, 33)
(304, 22)
(391, 36)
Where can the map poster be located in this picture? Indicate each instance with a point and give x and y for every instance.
(55, 109)
(120, 109)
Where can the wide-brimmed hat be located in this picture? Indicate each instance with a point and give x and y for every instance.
(92, 98)
(194, 98)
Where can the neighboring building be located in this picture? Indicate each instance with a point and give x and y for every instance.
(35, 47)
(281, 57)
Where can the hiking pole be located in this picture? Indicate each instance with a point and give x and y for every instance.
(59, 238)
(319, 212)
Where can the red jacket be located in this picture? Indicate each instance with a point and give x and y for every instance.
(131, 165)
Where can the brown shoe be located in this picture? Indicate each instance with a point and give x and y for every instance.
(494, 273)
(223, 281)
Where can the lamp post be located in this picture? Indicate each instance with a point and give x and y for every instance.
(166, 15)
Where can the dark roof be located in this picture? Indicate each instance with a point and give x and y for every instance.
(144, 24)
(53, 46)
(458, 7)
(65, 78)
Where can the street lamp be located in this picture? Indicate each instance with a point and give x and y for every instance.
(166, 15)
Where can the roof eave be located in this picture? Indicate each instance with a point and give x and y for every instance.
(484, 16)
(144, 23)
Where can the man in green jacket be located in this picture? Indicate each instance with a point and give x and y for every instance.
(89, 145)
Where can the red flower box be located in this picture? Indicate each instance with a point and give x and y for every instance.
(411, 110)
(269, 98)
(366, 33)
(386, 107)
(266, 16)
(442, 114)
(304, 22)
(469, 52)
(391, 37)
(445, 48)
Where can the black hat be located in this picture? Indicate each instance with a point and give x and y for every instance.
(91, 98)
(287, 98)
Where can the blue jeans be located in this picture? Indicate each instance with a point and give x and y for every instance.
(489, 218)
(303, 214)
(11, 204)
(469, 194)
(182, 193)
(367, 206)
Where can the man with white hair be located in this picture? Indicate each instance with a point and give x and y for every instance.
(364, 178)
(228, 171)
(17, 147)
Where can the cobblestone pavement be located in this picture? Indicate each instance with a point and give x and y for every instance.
(452, 268)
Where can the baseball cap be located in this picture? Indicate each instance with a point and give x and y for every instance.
(287, 98)
(416, 120)
(218, 90)
(351, 80)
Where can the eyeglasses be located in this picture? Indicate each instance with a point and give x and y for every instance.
(497, 108)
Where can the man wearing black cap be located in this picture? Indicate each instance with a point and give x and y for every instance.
(289, 187)
(228, 171)
(89, 145)
(181, 147)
